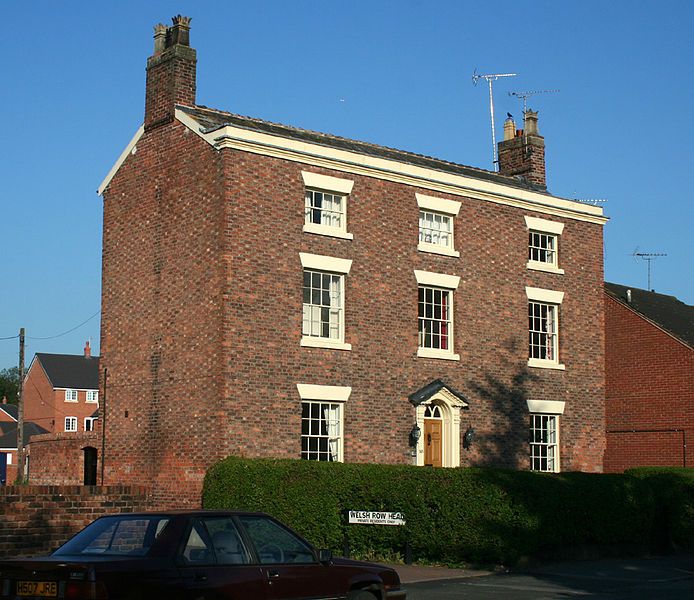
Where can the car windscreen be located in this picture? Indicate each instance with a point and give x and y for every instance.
(120, 535)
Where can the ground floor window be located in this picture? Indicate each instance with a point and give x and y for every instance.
(320, 430)
(544, 443)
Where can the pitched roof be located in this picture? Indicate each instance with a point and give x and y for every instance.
(70, 371)
(210, 119)
(669, 313)
(8, 433)
(10, 409)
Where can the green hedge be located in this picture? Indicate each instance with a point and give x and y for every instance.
(463, 515)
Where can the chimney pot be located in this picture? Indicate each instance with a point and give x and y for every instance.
(4, 399)
(629, 296)
(509, 128)
(87, 350)
(159, 38)
(180, 31)
(530, 122)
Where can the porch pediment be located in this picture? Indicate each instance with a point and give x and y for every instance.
(439, 388)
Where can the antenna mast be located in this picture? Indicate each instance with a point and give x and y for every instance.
(648, 257)
(490, 78)
(526, 95)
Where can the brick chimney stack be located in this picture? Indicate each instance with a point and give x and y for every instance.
(522, 151)
(170, 72)
(87, 350)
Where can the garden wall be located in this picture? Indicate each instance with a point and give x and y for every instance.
(35, 519)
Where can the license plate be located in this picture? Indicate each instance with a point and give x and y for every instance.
(42, 589)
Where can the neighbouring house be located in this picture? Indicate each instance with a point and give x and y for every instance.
(61, 396)
(61, 391)
(8, 441)
(270, 291)
(649, 379)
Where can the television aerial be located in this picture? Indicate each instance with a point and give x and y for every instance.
(525, 95)
(491, 77)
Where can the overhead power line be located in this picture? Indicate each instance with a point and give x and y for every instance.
(52, 337)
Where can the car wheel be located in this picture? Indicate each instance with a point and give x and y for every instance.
(361, 595)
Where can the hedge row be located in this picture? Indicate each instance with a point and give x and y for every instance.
(463, 515)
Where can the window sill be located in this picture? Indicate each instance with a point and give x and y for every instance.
(315, 342)
(329, 231)
(545, 364)
(92, 401)
(440, 354)
(547, 268)
(434, 249)
(72, 401)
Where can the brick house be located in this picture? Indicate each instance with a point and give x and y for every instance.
(8, 441)
(649, 373)
(273, 291)
(61, 391)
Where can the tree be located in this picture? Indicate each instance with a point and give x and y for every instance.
(9, 384)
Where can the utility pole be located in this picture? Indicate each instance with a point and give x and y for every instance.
(20, 412)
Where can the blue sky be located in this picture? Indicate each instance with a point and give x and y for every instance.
(392, 73)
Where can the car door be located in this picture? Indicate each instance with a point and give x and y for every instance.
(289, 564)
(215, 563)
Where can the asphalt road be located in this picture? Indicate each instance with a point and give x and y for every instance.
(656, 578)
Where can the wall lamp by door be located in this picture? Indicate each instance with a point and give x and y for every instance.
(468, 437)
(415, 434)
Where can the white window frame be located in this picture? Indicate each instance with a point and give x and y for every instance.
(552, 300)
(326, 395)
(443, 283)
(428, 205)
(92, 396)
(327, 265)
(551, 410)
(71, 421)
(69, 393)
(91, 421)
(550, 229)
(334, 186)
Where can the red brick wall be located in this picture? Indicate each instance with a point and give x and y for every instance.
(649, 386)
(58, 459)
(36, 519)
(201, 319)
(162, 303)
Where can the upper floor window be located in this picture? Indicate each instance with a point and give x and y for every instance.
(70, 395)
(435, 314)
(92, 396)
(543, 244)
(325, 204)
(543, 327)
(436, 217)
(70, 423)
(323, 321)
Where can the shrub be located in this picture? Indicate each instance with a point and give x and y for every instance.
(461, 515)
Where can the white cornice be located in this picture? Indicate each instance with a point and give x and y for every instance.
(347, 161)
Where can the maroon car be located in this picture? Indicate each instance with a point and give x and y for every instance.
(193, 555)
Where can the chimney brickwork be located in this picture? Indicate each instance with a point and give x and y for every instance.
(170, 72)
(522, 152)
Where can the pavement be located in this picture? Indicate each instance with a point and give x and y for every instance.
(415, 573)
(627, 570)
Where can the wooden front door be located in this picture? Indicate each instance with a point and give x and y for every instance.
(433, 449)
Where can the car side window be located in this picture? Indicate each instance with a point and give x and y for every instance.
(215, 540)
(274, 543)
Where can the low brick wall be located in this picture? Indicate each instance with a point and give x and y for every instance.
(58, 458)
(35, 519)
